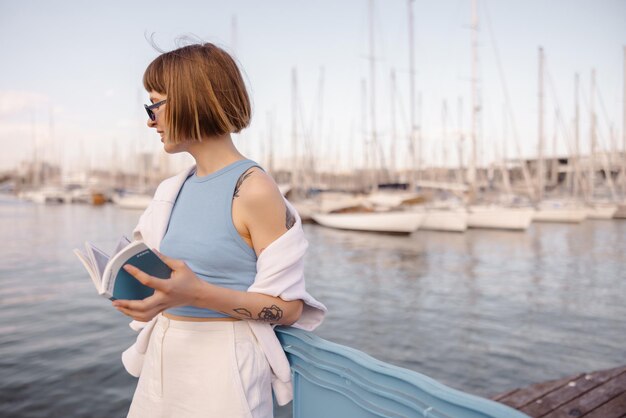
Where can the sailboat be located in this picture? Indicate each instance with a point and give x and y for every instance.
(368, 216)
(621, 207)
(498, 217)
(134, 199)
(447, 215)
(387, 221)
(131, 200)
(441, 216)
(492, 216)
(438, 215)
(597, 208)
(45, 195)
(554, 210)
(560, 211)
(620, 213)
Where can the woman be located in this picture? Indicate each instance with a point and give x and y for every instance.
(209, 352)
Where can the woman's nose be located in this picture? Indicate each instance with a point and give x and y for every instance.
(151, 123)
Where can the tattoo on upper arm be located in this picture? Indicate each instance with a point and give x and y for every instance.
(243, 312)
(271, 314)
(241, 179)
(290, 220)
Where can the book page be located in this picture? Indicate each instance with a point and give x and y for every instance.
(123, 242)
(95, 277)
(99, 258)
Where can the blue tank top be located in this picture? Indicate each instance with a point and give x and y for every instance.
(202, 234)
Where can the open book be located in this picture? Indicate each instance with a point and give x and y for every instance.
(111, 280)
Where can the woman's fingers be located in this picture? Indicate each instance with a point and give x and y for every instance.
(128, 312)
(144, 278)
(135, 315)
(141, 310)
(142, 306)
(131, 305)
(172, 263)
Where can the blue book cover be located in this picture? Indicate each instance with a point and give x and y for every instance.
(125, 286)
(111, 280)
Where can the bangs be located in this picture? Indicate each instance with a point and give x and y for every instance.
(154, 76)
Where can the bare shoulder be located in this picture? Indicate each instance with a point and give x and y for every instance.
(258, 195)
(256, 186)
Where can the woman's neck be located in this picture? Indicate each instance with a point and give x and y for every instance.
(212, 154)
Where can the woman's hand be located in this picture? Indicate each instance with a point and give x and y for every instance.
(182, 288)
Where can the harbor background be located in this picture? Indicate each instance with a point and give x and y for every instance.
(483, 311)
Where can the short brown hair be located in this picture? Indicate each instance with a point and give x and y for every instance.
(206, 95)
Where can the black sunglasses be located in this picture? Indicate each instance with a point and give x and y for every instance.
(150, 109)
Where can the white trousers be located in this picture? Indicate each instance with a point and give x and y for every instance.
(203, 369)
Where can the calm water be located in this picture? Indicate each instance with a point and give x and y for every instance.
(483, 311)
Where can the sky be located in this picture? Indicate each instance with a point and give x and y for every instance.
(71, 71)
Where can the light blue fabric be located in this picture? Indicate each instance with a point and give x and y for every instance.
(201, 233)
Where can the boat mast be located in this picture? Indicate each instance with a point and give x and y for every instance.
(270, 143)
(374, 142)
(577, 176)
(366, 154)
(592, 134)
(35, 164)
(294, 130)
(392, 151)
(412, 137)
(624, 131)
(540, 162)
(418, 134)
(313, 174)
(471, 172)
(554, 166)
(460, 174)
(528, 181)
(506, 180)
(444, 139)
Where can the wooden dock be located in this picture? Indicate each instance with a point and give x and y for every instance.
(600, 394)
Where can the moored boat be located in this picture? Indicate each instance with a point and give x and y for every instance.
(499, 217)
(400, 222)
(558, 211)
(448, 219)
(621, 211)
(601, 210)
(138, 201)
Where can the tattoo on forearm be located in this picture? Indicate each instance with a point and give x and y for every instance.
(243, 312)
(240, 181)
(290, 220)
(271, 314)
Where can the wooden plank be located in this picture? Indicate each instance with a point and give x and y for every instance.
(615, 408)
(527, 395)
(573, 389)
(593, 399)
(503, 395)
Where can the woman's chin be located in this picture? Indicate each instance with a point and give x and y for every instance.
(172, 148)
